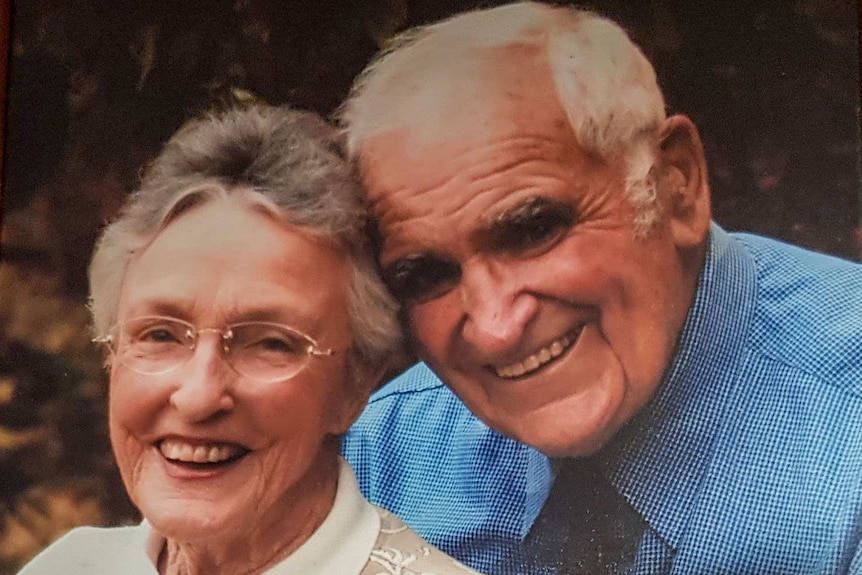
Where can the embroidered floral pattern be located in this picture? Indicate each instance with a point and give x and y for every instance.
(400, 551)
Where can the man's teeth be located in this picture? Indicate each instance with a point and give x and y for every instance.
(536, 360)
(213, 453)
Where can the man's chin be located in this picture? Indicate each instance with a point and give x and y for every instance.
(576, 426)
(568, 446)
(563, 441)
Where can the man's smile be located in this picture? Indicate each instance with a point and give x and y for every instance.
(539, 358)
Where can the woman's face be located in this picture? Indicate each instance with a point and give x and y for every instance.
(271, 444)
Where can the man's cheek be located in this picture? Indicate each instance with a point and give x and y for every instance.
(430, 324)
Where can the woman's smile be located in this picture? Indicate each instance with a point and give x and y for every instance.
(207, 453)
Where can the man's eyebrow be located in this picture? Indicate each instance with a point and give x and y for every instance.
(496, 227)
(528, 209)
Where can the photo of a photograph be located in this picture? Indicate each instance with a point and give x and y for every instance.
(422, 287)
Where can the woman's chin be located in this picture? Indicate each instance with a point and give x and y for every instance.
(194, 522)
(186, 515)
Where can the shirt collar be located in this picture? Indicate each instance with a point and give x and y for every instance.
(342, 543)
(658, 461)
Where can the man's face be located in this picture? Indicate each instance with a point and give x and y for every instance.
(522, 280)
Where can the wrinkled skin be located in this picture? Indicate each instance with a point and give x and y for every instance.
(511, 247)
(223, 263)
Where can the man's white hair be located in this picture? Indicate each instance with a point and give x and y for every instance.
(604, 83)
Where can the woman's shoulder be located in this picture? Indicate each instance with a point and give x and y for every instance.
(94, 550)
(399, 549)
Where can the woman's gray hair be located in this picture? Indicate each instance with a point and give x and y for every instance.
(604, 83)
(287, 160)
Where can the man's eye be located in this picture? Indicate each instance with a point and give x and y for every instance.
(421, 278)
(538, 223)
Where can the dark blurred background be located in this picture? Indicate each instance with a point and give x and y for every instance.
(95, 86)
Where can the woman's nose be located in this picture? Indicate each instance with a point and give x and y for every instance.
(202, 387)
(496, 308)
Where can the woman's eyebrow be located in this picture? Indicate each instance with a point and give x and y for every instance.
(169, 307)
(271, 314)
(185, 310)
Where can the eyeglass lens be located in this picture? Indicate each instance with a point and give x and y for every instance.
(258, 350)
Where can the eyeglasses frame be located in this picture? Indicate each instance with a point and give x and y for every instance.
(226, 333)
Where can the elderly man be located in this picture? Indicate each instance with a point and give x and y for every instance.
(669, 397)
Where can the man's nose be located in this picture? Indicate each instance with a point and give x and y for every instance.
(496, 307)
(203, 384)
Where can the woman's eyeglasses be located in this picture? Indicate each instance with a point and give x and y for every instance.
(262, 351)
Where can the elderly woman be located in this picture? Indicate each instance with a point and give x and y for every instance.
(245, 328)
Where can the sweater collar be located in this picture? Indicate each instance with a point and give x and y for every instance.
(342, 543)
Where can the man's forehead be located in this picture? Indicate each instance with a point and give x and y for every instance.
(448, 101)
(396, 159)
(443, 119)
(439, 196)
(397, 176)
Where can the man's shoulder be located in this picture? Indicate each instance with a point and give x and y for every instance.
(417, 380)
(417, 396)
(420, 422)
(419, 452)
(786, 272)
(785, 466)
(807, 311)
(777, 259)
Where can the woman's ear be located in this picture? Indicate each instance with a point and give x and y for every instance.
(684, 183)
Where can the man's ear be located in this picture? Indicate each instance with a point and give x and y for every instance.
(684, 183)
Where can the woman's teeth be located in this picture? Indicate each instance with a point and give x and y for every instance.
(176, 450)
(539, 358)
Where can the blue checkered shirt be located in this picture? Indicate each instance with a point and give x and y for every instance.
(748, 460)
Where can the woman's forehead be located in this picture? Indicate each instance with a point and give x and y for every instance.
(236, 262)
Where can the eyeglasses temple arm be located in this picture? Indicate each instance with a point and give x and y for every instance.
(320, 352)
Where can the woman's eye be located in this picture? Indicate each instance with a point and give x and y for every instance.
(158, 335)
(421, 277)
(265, 339)
(278, 345)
